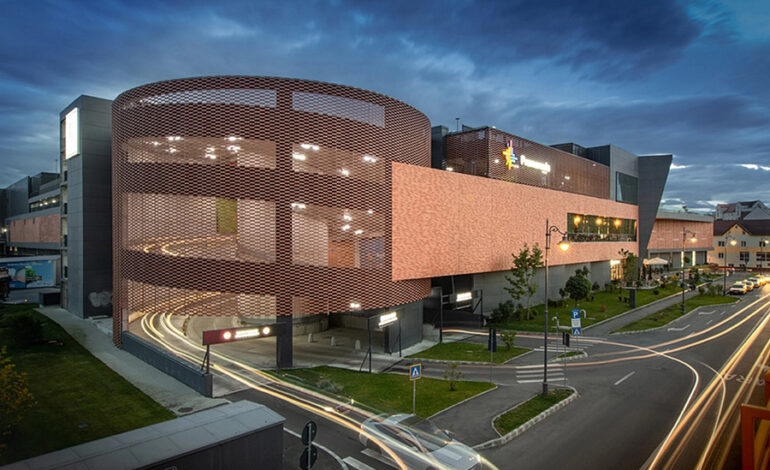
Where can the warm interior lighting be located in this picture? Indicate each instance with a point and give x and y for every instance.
(617, 222)
(576, 220)
(297, 205)
(345, 172)
(347, 217)
(370, 212)
(345, 228)
(232, 138)
(233, 148)
(564, 243)
(299, 156)
(211, 156)
(599, 221)
(369, 159)
(355, 305)
(449, 168)
(358, 232)
(312, 147)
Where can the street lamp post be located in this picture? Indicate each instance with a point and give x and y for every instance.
(693, 240)
(762, 252)
(724, 278)
(564, 246)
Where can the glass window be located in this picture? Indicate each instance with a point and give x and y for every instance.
(626, 187)
(721, 255)
(721, 243)
(596, 228)
(744, 256)
(743, 243)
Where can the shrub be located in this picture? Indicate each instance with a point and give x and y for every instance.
(15, 397)
(595, 286)
(504, 312)
(701, 290)
(655, 292)
(507, 337)
(328, 386)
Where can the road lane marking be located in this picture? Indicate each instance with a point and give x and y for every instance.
(679, 329)
(625, 377)
(707, 313)
(707, 323)
(357, 464)
(323, 448)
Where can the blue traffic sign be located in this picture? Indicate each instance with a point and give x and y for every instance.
(577, 332)
(575, 313)
(415, 371)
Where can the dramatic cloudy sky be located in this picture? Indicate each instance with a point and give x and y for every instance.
(653, 76)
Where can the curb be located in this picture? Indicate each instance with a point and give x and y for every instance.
(524, 427)
(467, 399)
(557, 360)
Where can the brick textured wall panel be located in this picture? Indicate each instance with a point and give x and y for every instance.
(667, 235)
(247, 188)
(43, 229)
(447, 223)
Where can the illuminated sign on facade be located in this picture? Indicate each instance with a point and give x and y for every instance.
(71, 134)
(542, 166)
(510, 155)
(388, 318)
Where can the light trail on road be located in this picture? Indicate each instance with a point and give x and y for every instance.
(273, 385)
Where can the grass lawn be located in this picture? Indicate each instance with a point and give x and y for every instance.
(514, 418)
(608, 300)
(384, 393)
(460, 351)
(79, 399)
(669, 314)
(570, 354)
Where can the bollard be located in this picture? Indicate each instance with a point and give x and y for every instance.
(333, 341)
(310, 337)
(358, 345)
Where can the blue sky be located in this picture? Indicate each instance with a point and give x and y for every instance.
(687, 78)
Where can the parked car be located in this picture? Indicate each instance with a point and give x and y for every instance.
(418, 443)
(738, 288)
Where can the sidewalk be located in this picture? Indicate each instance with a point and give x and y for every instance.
(611, 324)
(97, 338)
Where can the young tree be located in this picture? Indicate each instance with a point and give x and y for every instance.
(630, 265)
(578, 286)
(522, 278)
(508, 336)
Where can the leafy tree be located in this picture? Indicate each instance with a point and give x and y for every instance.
(508, 336)
(578, 286)
(15, 397)
(522, 278)
(630, 265)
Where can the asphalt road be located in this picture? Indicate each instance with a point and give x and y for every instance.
(633, 389)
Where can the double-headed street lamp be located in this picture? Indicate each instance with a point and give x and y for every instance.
(564, 246)
(733, 242)
(693, 240)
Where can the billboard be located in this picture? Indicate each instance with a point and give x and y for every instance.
(31, 273)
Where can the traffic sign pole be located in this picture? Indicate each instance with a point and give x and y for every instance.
(415, 373)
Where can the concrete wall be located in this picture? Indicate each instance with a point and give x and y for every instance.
(411, 324)
(493, 284)
(232, 436)
(89, 211)
(170, 365)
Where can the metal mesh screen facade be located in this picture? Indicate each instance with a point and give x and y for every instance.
(259, 197)
(478, 152)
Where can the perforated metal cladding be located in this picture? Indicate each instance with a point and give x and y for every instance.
(257, 196)
(479, 152)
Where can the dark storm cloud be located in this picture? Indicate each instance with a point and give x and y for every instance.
(483, 61)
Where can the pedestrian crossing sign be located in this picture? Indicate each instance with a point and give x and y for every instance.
(577, 331)
(415, 371)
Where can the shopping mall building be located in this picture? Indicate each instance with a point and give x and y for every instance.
(320, 205)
